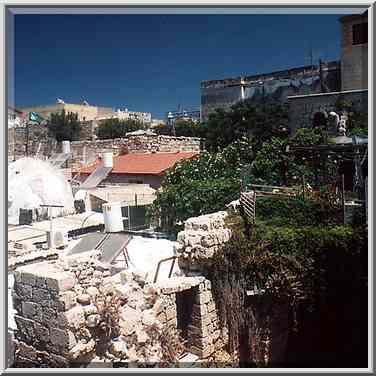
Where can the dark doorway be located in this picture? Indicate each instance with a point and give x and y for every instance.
(184, 310)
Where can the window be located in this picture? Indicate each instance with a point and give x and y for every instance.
(135, 181)
(360, 33)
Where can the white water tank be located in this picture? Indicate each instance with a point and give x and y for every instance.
(108, 159)
(113, 219)
(65, 147)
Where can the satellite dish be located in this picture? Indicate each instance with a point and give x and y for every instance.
(58, 100)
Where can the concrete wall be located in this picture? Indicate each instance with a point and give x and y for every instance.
(354, 58)
(303, 108)
(272, 87)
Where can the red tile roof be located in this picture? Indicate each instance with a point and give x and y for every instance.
(145, 163)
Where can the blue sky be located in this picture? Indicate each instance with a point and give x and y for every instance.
(154, 63)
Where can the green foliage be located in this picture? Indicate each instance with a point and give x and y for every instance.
(202, 185)
(183, 128)
(115, 128)
(357, 122)
(188, 128)
(288, 263)
(271, 163)
(162, 129)
(176, 203)
(244, 119)
(308, 136)
(323, 209)
(64, 126)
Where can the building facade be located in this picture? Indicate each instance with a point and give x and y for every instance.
(270, 87)
(189, 114)
(16, 118)
(84, 111)
(354, 52)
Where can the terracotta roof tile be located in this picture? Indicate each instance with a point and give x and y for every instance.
(145, 163)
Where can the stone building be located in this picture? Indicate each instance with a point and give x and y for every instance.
(354, 52)
(350, 73)
(271, 87)
(84, 111)
(303, 108)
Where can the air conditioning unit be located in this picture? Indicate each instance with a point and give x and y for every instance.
(57, 238)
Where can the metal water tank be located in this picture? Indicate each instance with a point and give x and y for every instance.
(66, 147)
(112, 216)
(108, 159)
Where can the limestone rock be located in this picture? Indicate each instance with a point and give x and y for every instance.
(84, 299)
(93, 320)
(92, 291)
(119, 349)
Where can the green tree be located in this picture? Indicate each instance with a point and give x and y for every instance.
(115, 128)
(245, 119)
(201, 185)
(187, 128)
(64, 126)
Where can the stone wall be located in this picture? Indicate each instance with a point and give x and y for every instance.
(303, 107)
(354, 57)
(58, 314)
(86, 151)
(201, 238)
(42, 299)
(38, 142)
(204, 336)
(272, 87)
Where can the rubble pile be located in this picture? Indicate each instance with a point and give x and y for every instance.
(201, 238)
(80, 315)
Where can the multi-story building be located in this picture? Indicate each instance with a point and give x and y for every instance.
(192, 114)
(142, 117)
(350, 73)
(354, 52)
(270, 87)
(84, 111)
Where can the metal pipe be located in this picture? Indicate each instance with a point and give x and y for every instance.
(159, 264)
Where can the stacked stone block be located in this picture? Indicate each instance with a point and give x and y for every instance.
(201, 238)
(204, 336)
(41, 299)
(85, 151)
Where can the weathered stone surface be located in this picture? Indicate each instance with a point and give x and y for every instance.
(130, 319)
(61, 282)
(74, 317)
(26, 351)
(92, 291)
(93, 320)
(67, 301)
(84, 299)
(59, 337)
(28, 278)
(81, 349)
(119, 349)
(29, 309)
(41, 332)
(40, 295)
